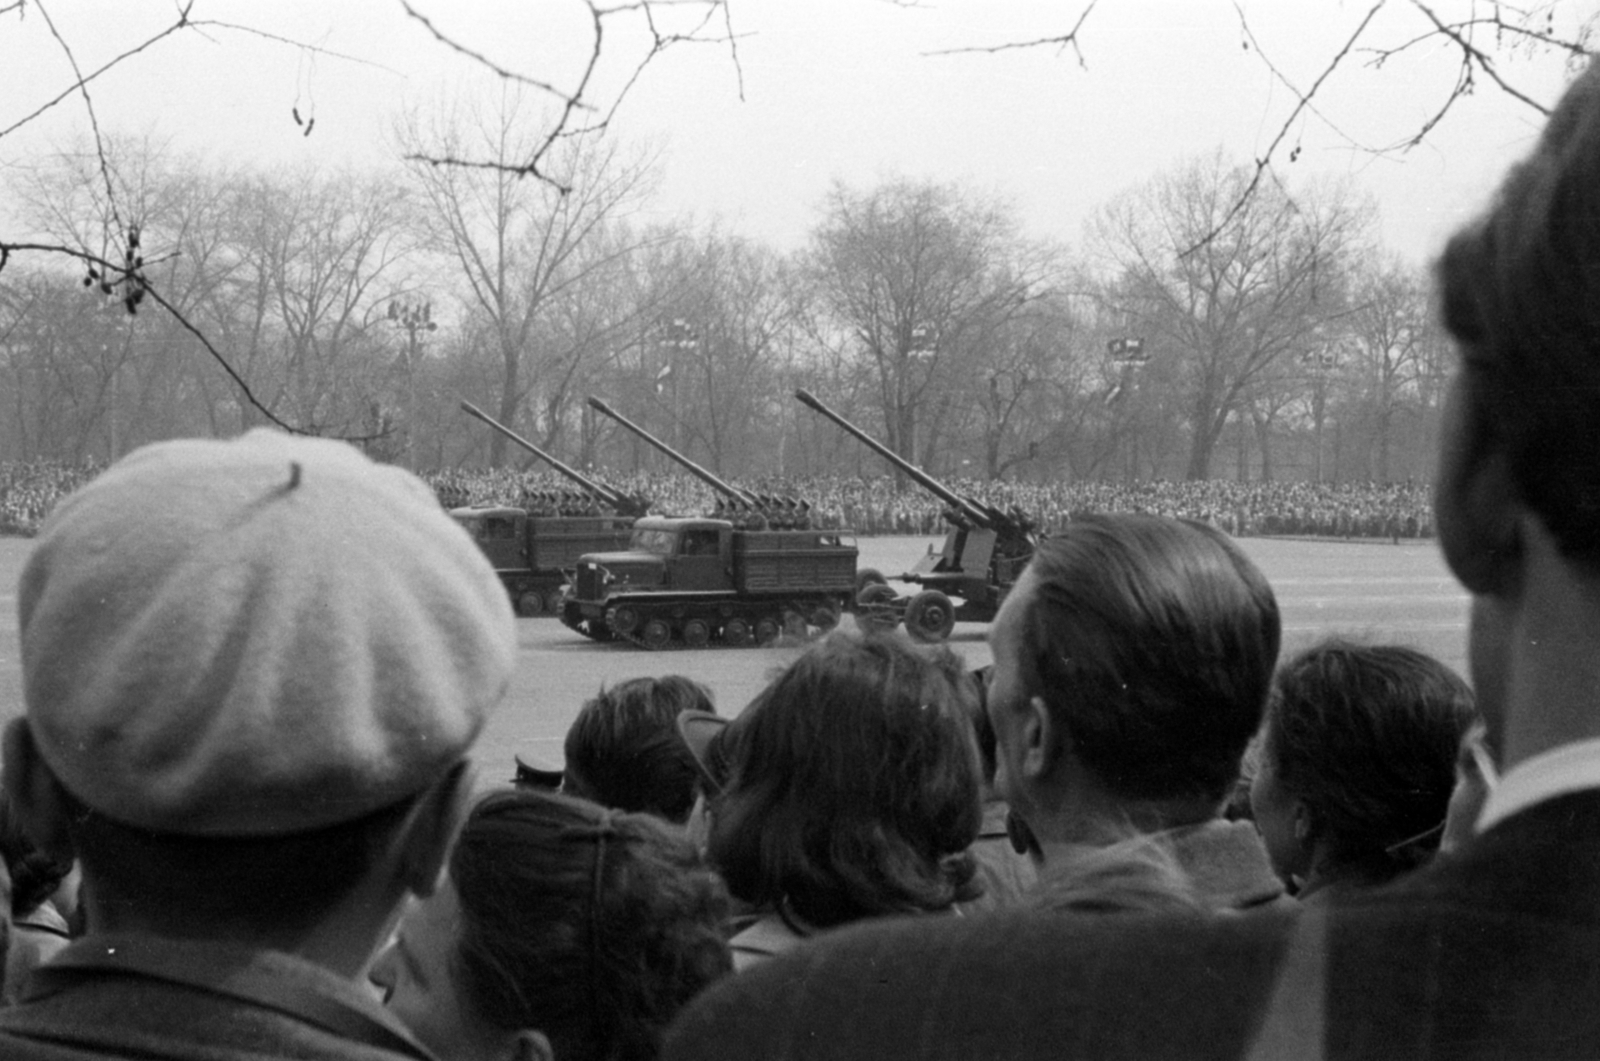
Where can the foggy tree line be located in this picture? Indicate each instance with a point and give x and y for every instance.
(1288, 345)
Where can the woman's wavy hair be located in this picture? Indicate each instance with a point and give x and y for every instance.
(1367, 736)
(592, 926)
(1153, 640)
(854, 789)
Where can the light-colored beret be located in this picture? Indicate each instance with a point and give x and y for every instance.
(256, 637)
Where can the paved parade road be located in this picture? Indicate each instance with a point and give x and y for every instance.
(1373, 590)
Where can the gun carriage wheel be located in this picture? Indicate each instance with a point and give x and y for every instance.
(930, 617)
(875, 608)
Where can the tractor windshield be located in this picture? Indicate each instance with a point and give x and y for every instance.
(656, 541)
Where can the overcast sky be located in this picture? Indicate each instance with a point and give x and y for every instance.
(831, 89)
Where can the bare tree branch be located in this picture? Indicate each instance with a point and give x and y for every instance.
(1062, 41)
(88, 106)
(103, 271)
(478, 57)
(1244, 26)
(183, 22)
(577, 99)
(1265, 160)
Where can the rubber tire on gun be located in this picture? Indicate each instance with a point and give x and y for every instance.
(875, 608)
(825, 617)
(930, 617)
(869, 576)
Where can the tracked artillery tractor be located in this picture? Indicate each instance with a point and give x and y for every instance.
(533, 544)
(984, 552)
(751, 573)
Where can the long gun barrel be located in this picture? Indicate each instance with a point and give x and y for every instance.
(616, 498)
(725, 488)
(971, 512)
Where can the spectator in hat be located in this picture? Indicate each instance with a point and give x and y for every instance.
(1357, 766)
(562, 930)
(252, 670)
(848, 790)
(623, 750)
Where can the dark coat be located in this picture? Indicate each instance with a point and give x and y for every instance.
(1495, 953)
(128, 996)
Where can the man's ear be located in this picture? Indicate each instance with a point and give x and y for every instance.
(431, 829)
(1305, 825)
(1044, 739)
(1476, 503)
(532, 1045)
(35, 794)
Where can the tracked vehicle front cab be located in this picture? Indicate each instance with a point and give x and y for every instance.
(499, 530)
(665, 554)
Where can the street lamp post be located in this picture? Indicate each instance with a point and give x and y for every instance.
(414, 318)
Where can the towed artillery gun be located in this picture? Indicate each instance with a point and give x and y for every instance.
(983, 554)
(533, 545)
(748, 574)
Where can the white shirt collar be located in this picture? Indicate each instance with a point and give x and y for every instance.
(1562, 770)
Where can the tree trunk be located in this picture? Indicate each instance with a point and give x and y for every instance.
(1203, 441)
(1263, 428)
(510, 381)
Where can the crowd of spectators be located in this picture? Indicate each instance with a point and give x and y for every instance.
(881, 505)
(878, 506)
(30, 489)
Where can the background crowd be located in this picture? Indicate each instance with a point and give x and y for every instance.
(29, 489)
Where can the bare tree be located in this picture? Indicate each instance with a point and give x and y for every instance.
(1224, 292)
(520, 246)
(911, 275)
(317, 254)
(1031, 365)
(1389, 331)
(731, 319)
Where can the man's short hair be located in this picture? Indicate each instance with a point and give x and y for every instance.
(1521, 293)
(1154, 641)
(623, 749)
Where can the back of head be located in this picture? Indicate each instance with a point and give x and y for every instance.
(590, 926)
(248, 642)
(1521, 294)
(1367, 736)
(1153, 640)
(623, 749)
(855, 785)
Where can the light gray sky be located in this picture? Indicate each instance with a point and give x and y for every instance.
(832, 89)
